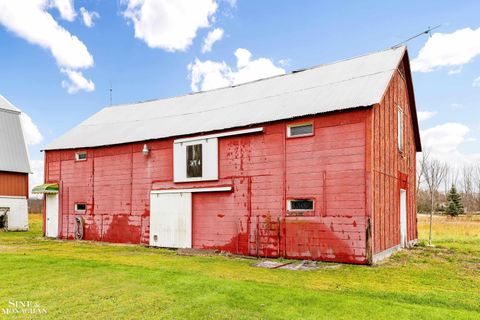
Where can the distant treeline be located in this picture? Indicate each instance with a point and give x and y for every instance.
(35, 205)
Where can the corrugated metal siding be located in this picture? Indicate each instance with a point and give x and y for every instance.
(351, 83)
(13, 150)
(13, 184)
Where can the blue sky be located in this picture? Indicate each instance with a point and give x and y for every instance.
(145, 47)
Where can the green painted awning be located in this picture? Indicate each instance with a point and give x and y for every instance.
(46, 188)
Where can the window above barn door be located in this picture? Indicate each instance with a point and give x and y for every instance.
(195, 160)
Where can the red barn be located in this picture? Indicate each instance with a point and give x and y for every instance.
(14, 169)
(316, 164)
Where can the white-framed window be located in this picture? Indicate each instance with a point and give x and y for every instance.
(400, 128)
(195, 160)
(300, 205)
(300, 130)
(80, 156)
(80, 207)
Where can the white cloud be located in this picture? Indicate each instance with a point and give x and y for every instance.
(425, 115)
(212, 37)
(476, 82)
(231, 3)
(30, 130)
(31, 21)
(444, 141)
(448, 50)
(455, 70)
(66, 9)
(88, 17)
(36, 177)
(208, 74)
(169, 25)
(445, 138)
(76, 82)
(284, 62)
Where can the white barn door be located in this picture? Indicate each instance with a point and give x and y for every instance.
(171, 220)
(51, 214)
(403, 218)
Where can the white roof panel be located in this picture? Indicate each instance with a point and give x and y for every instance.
(356, 82)
(6, 105)
(13, 150)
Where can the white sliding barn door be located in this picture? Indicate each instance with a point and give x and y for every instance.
(171, 220)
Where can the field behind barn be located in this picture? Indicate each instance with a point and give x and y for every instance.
(83, 280)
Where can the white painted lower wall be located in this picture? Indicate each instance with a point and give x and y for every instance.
(18, 213)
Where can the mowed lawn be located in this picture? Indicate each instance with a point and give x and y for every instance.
(84, 280)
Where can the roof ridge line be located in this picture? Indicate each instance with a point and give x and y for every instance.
(257, 80)
(244, 102)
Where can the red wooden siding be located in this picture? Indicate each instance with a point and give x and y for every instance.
(389, 166)
(264, 170)
(13, 184)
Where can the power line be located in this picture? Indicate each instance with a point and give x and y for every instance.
(428, 31)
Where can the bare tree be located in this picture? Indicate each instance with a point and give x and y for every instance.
(468, 188)
(421, 162)
(435, 172)
(476, 179)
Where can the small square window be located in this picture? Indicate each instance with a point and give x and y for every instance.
(300, 205)
(81, 156)
(81, 207)
(300, 130)
(194, 161)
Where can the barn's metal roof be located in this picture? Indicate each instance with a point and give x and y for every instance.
(13, 150)
(351, 83)
(6, 105)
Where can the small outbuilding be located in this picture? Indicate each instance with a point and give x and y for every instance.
(316, 164)
(14, 169)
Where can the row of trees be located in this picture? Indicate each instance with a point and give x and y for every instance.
(442, 188)
(435, 179)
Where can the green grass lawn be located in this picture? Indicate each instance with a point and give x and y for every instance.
(84, 280)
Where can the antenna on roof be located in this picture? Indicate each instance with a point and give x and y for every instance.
(111, 90)
(428, 31)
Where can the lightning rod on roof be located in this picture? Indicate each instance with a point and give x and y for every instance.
(428, 31)
(111, 90)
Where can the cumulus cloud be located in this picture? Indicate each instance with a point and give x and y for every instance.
(65, 8)
(36, 177)
(476, 82)
(76, 82)
(169, 25)
(30, 130)
(448, 50)
(88, 17)
(212, 37)
(444, 141)
(425, 115)
(206, 75)
(31, 21)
